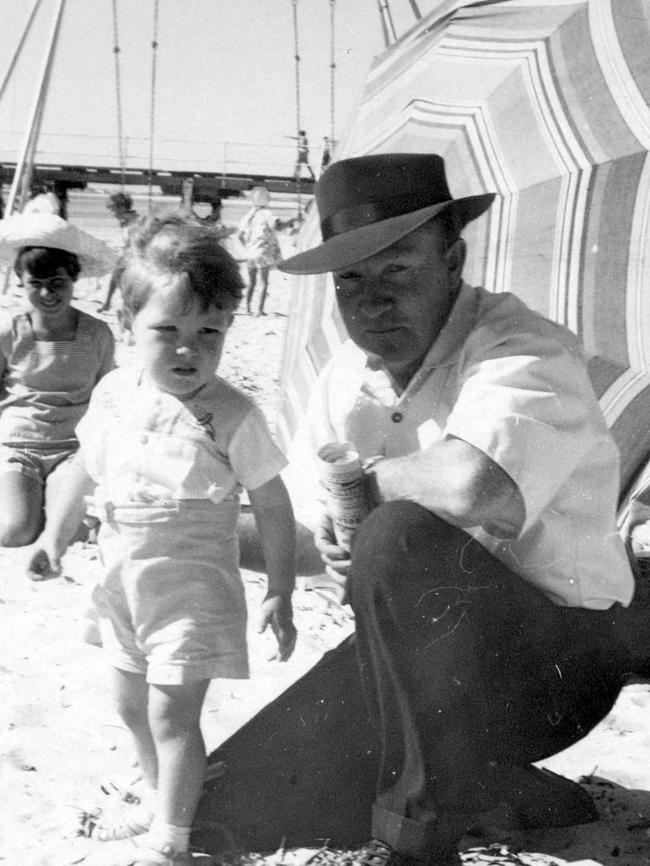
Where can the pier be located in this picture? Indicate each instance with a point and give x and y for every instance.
(205, 185)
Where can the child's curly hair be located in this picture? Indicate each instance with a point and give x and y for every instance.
(173, 244)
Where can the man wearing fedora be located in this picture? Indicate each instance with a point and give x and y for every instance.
(486, 580)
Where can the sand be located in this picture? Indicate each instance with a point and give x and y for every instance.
(65, 752)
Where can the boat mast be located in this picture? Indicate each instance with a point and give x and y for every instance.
(25, 165)
(387, 25)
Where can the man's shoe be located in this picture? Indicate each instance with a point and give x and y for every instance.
(378, 853)
(539, 798)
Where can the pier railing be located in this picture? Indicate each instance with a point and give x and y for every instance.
(178, 155)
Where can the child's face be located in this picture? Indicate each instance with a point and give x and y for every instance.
(178, 345)
(49, 296)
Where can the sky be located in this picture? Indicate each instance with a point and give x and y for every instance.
(225, 78)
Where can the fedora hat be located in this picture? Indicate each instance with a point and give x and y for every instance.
(48, 230)
(366, 203)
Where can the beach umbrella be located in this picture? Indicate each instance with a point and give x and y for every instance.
(546, 104)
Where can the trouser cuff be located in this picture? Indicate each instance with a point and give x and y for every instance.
(404, 835)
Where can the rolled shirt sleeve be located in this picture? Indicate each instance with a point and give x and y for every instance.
(526, 402)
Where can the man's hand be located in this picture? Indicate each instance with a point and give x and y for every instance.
(277, 612)
(44, 563)
(336, 559)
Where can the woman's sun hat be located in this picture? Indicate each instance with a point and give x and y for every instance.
(48, 230)
(367, 203)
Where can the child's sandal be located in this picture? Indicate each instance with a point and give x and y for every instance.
(146, 856)
(116, 826)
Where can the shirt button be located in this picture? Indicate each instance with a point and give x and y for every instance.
(396, 417)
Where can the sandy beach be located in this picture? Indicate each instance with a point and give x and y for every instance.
(64, 752)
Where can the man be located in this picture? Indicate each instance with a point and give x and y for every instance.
(486, 581)
(302, 157)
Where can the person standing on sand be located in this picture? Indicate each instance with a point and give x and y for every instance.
(257, 233)
(120, 204)
(166, 447)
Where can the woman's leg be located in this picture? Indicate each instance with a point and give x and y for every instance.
(252, 278)
(21, 509)
(264, 274)
(56, 482)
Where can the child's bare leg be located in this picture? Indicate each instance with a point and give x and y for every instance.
(131, 693)
(174, 716)
(21, 509)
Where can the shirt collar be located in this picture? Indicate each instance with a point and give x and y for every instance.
(455, 331)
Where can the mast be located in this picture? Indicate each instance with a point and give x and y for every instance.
(387, 25)
(25, 165)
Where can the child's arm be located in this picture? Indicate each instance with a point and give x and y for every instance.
(62, 521)
(277, 530)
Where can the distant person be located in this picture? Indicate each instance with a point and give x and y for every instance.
(302, 158)
(326, 158)
(214, 217)
(166, 447)
(51, 357)
(43, 200)
(258, 235)
(215, 222)
(120, 204)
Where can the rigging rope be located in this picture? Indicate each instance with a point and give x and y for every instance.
(118, 97)
(19, 48)
(297, 67)
(387, 25)
(332, 71)
(154, 52)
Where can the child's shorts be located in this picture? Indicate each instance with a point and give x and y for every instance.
(35, 463)
(171, 603)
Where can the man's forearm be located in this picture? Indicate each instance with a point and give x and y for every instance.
(456, 481)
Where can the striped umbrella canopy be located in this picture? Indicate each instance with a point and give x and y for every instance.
(546, 104)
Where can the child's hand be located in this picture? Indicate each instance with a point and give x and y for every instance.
(277, 612)
(43, 563)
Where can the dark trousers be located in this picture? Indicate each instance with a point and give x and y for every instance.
(464, 665)
(458, 662)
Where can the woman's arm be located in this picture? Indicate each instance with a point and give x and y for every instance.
(62, 521)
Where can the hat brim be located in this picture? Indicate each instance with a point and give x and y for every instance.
(355, 245)
(47, 230)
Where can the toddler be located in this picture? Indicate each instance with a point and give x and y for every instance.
(166, 447)
(51, 357)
